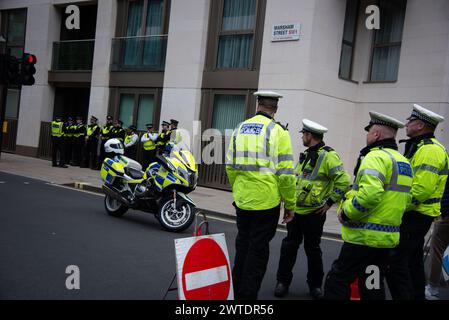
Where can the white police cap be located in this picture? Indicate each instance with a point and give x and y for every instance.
(423, 114)
(383, 120)
(268, 94)
(311, 126)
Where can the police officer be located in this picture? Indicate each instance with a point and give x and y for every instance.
(131, 142)
(149, 146)
(57, 139)
(118, 132)
(69, 132)
(371, 213)
(321, 182)
(91, 143)
(175, 135)
(429, 160)
(260, 171)
(79, 137)
(163, 137)
(106, 134)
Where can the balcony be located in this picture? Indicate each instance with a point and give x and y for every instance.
(146, 53)
(74, 55)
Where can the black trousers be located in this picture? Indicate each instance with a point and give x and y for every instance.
(149, 156)
(255, 231)
(309, 228)
(352, 263)
(131, 152)
(68, 146)
(78, 150)
(90, 153)
(102, 155)
(57, 148)
(405, 273)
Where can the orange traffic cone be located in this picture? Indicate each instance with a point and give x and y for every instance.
(355, 290)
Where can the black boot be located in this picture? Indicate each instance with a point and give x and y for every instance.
(281, 290)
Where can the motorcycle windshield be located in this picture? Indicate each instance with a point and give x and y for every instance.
(180, 155)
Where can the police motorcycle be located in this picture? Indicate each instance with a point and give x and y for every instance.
(161, 189)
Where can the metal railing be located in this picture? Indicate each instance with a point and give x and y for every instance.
(74, 55)
(44, 149)
(144, 53)
(214, 175)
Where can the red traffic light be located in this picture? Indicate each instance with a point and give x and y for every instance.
(30, 58)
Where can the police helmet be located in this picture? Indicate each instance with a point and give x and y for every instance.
(114, 146)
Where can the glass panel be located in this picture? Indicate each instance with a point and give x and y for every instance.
(385, 64)
(235, 51)
(229, 111)
(345, 61)
(126, 109)
(16, 27)
(239, 14)
(350, 20)
(16, 52)
(154, 17)
(146, 111)
(12, 104)
(392, 21)
(131, 48)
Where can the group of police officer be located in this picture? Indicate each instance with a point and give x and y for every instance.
(77, 144)
(385, 214)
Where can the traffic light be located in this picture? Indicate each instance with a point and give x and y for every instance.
(9, 70)
(28, 70)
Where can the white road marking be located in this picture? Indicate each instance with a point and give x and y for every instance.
(208, 277)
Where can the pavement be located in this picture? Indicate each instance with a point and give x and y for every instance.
(211, 201)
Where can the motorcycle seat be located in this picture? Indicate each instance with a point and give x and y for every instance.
(133, 173)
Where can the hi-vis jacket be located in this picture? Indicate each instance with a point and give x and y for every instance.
(260, 165)
(378, 199)
(430, 170)
(320, 182)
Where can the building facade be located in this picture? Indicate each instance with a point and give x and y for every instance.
(199, 61)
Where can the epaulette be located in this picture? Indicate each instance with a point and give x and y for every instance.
(282, 126)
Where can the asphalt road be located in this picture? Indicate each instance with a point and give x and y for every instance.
(45, 228)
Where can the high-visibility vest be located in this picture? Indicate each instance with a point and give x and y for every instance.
(80, 131)
(69, 132)
(260, 165)
(149, 145)
(91, 129)
(129, 138)
(430, 170)
(57, 129)
(106, 132)
(378, 199)
(318, 182)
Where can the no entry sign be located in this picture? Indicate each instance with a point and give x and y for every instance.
(203, 268)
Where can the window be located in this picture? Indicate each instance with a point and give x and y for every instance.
(13, 30)
(387, 41)
(137, 109)
(236, 37)
(228, 111)
(144, 43)
(12, 104)
(348, 43)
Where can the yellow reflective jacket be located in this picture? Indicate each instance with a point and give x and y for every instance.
(57, 129)
(430, 170)
(260, 165)
(378, 199)
(319, 181)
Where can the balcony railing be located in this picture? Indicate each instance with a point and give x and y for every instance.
(146, 53)
(75, 55)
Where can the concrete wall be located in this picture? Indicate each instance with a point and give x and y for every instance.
(105, 29)
(187, 38)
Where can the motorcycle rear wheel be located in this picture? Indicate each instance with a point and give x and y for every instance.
(113, 207)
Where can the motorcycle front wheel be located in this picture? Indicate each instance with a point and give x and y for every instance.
(113, 207)
(176, 219)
